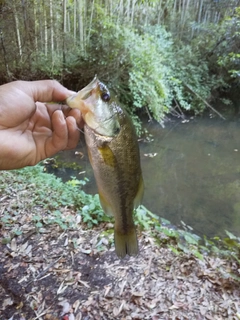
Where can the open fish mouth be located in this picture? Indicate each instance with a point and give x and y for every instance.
(87, 91)
(111, 122)
(99, 111)
(116, 130)
(102, 136)
(97, 86)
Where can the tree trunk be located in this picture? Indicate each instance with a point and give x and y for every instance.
(81, 24)
(35, 26)
(26, 25)
(64, 34)
(128, 9)
(68, 23)
(5, 57)
(200, 11)
(65, 16)
(132, 12)
(159, 18)
(120, 11)
(51, 29)
(90, 23)
(17, 29)
(75, 21)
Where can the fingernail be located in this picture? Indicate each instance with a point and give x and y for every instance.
(72, 92)
(61, 116)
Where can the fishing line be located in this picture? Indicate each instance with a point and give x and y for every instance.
(80, 130)
(107, 120)
(169, 131)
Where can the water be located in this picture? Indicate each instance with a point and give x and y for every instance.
(191, 172)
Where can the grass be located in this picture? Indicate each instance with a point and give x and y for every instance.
(65, 204)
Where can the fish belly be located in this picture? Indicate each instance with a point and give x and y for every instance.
(116, 166)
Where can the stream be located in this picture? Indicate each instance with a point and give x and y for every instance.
(191, 172)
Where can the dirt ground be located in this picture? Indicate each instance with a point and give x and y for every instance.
(50, 274)
(76, 275)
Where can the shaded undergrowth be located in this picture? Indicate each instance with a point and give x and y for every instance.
(54, 202)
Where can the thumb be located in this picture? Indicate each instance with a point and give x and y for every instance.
(47, 90)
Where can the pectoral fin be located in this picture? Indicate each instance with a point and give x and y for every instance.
(106, 207)
(139, 195)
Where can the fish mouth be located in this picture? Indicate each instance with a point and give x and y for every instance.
(107, 127)
(97, 131)
(87, 91)
(99, 111)
(95, 86)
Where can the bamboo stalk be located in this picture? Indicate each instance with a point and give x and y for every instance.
(45, 30)
(128, 9)
(81, 24)
(17, 28)
(200, 12)
(35, 26)
(64, 16)
(132, 12)
(160, 12)
(74, 21)
(90, 22)
(51, 29)
(5, 56)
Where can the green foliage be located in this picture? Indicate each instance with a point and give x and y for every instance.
(145, 218)
(144, 70)
(192, 71)
(181, 240)
(165, 234)
(147, 74)
(130, 63)
(229, 246)
(228, 50)
(52, 195)
(92, 212)
(53, 202)
(147, 67)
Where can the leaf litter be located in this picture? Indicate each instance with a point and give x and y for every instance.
(50, 274)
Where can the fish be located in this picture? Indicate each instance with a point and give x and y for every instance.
(114, 156)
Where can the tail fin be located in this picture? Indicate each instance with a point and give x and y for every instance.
(126, 243)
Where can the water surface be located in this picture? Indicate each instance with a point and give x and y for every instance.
(191, 172)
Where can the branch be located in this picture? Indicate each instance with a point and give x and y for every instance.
(204, 101)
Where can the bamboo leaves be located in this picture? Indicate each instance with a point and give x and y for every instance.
(66, 25)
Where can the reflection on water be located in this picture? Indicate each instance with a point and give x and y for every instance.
(194, 176)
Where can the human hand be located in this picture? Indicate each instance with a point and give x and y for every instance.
(31, 129)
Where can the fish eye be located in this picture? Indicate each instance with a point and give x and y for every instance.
(116, 131)
(105, 96)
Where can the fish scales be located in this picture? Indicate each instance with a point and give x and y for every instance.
(115, 161)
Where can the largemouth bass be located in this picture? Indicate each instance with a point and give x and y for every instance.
(114, 155)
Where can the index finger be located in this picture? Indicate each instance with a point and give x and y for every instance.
(46, 90)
